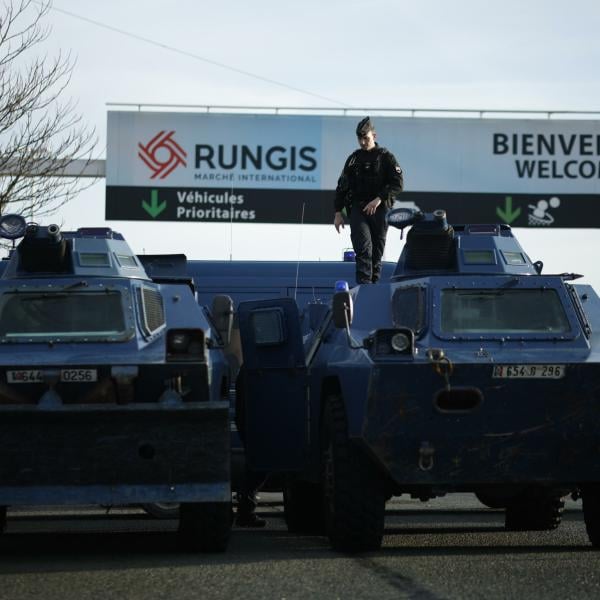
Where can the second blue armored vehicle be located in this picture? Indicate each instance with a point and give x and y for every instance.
(469, 371)
(113, 383)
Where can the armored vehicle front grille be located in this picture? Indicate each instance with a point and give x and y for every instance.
(153, 314)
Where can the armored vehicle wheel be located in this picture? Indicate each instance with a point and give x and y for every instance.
(205, 526)
(353, 492)
(303, 508)
(591, 513)
(491, 501)
(534, 512)
(2, 518)
(162, 510)
(497, 498)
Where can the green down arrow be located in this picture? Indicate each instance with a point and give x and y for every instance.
(507, 214)
(154, 208)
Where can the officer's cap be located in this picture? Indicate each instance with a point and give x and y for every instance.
(364, 127)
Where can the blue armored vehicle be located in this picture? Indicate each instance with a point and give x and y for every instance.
(469, 371)
(113, 385)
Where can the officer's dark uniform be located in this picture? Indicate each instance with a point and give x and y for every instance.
(368, 174)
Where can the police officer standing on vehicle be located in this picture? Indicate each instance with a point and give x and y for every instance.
(366, 188)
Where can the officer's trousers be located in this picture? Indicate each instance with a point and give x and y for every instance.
(368, 240)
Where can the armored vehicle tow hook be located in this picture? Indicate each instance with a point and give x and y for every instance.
(442, 365)
(426, 452)
(50, 398)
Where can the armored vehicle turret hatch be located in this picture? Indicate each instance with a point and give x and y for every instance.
(469, 371)
(113, 385)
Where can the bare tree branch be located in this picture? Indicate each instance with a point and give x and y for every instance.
(40, 135)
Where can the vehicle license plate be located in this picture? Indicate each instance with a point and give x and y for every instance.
(66, 376)
(529, 371)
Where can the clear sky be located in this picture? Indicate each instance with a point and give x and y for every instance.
(509, 54)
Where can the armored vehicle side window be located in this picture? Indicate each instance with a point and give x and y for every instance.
(408, 308)
(41, 315)
(126, 261)
(479, 257)
(514, 258)
(94, 259)
(504, 311)
(267, 325)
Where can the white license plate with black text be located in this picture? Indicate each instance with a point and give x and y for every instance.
(66, 376)
(528, 371)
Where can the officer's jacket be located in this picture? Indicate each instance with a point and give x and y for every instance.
(366, 175)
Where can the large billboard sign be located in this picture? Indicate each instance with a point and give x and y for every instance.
(246, 168)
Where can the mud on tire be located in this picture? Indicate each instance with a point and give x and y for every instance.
(534, 512)
(353, 492)
(205, 526)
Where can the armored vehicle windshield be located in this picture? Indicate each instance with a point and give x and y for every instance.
(469, 311)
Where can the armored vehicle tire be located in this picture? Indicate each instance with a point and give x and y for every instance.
(354, 495)
(534, 512)
(303, 508)
(2, 518)
(591, 513)
(162, 510)
(492, 500)
(205, 526)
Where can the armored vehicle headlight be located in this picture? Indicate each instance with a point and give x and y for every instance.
(400, 342)
(388, 343)
(178, 341)
(185, 344)
(403, 217)
(12, 226)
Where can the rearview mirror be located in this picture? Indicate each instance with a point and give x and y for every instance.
(343, 309)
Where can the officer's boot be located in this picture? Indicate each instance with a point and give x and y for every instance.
(246, 511)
